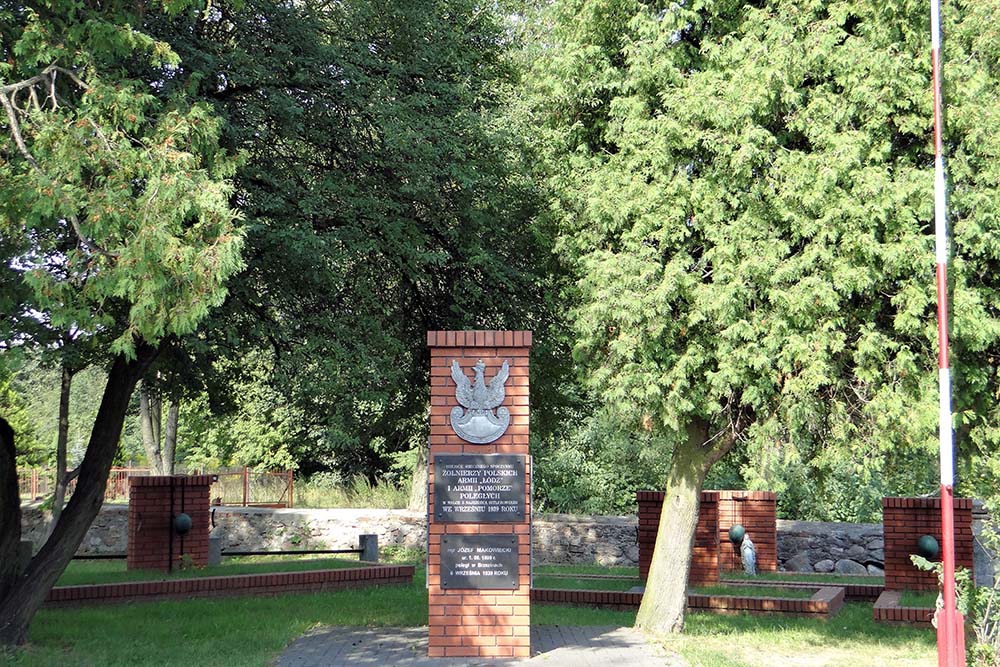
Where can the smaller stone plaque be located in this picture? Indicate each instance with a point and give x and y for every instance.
(479, 562)
(479, 488)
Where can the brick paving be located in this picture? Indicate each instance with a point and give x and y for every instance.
(552, 646)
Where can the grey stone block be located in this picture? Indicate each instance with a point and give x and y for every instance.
(369, 548)
(214, 551)
(847, 566)
(825, 565)
(857, 552)
(799, 563)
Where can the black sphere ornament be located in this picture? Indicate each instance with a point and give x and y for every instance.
(928, 547)
(736, 533)
(182, 524)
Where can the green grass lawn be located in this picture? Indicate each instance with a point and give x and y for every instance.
(849, 638)
(925, 599)
(114, 572)
(543, 581)
(233, 632)
(632, 572)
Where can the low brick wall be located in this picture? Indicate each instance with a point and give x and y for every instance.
(826, 602)
(887, 610)
(245, 584)
(852, 592)
(621, 600)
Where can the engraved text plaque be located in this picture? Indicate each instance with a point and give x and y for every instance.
(479, 561)
(479, 488)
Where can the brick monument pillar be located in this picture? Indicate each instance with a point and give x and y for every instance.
(705, 552)
(904, 522)
(479, 495)
(757, 512)
(154, 503)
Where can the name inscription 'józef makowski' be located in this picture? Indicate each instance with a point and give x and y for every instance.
(479, 488)
(479, 561)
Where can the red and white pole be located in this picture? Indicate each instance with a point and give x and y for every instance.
(950, 626)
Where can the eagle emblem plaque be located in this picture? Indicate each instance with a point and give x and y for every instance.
(477, 423)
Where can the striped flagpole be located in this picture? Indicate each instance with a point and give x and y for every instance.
(950, 624)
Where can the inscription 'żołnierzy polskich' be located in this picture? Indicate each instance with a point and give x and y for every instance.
(481, 488)
(479, 561)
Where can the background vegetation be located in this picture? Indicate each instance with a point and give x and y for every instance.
(406, 166)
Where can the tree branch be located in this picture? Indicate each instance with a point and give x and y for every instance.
(15, 130)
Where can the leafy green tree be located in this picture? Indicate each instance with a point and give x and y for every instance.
(13, 407)
(744, 194)
(116, 222)
(383, 197)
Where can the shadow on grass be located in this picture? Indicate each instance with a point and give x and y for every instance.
(221, 632)
(248, 631)
(850, 637)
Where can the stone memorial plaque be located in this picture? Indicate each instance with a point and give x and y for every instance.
(479, 488)
(479, 561)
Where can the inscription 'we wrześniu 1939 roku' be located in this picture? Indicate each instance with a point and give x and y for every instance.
(479, 488)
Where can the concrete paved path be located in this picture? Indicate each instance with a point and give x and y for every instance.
(552, 646)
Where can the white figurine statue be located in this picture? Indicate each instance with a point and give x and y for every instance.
(749, 553)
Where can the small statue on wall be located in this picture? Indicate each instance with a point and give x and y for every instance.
(749, 555)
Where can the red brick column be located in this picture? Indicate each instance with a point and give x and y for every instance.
(756, 511)
(704, 555)
(153, 504)
(479, 622)
(904, 521)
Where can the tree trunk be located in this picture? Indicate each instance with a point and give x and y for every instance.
(170, 437)
(418, 490)
(21, 598)
(149, 421)
(665, 599)
(10, 511)
(62, 438)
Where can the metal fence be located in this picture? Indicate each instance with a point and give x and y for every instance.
(254, 488)
(242, 487)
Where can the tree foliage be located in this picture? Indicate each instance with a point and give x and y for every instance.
(116, 226)
(383, 197)
(745, 197)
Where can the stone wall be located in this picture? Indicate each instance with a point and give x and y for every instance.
(985, 562)
(107, 535)
(814, 546)
(558, 538)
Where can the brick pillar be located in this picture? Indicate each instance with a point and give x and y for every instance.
(464, 620)
(904, 521)
(704, 555)
(756, 511)
(153, 504)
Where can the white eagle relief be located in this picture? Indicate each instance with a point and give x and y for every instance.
(479, 424)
